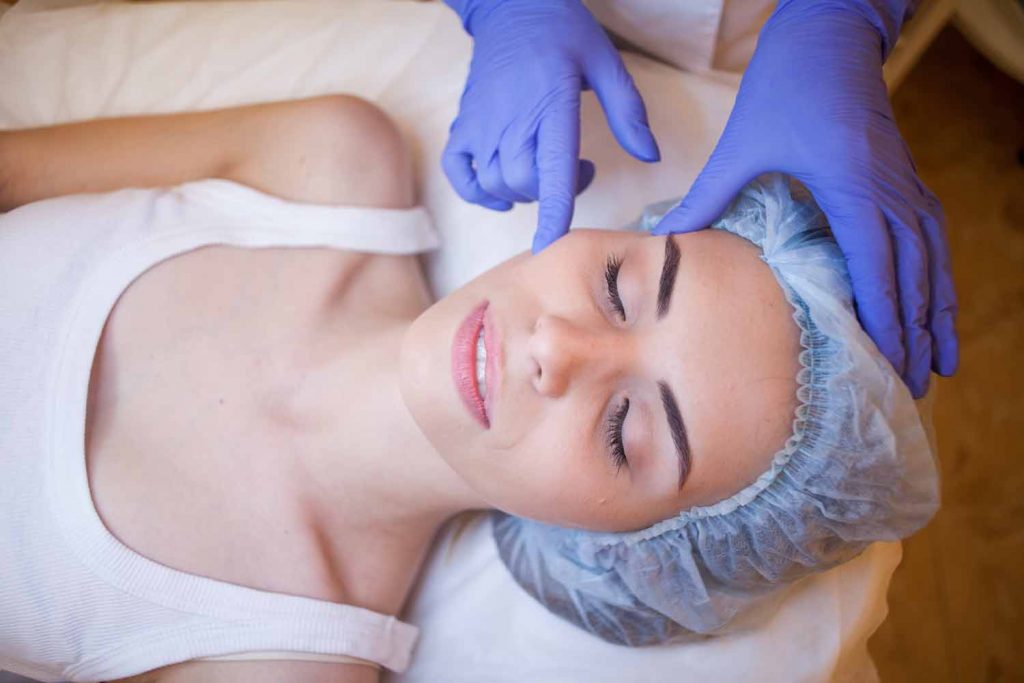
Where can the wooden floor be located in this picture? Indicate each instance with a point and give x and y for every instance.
(957, 602)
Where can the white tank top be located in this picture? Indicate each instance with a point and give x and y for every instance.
(75, 603)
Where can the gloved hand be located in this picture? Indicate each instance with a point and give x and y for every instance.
(517, 135)
(812, 104)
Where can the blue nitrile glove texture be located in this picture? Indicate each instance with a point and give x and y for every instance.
(517, 134)
(813, 104)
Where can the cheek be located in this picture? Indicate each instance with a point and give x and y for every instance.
(552, 475)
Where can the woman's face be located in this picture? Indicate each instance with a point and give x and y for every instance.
(627, 377)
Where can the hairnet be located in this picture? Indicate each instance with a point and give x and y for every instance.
(856, 468)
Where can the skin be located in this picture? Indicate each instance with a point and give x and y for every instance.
(569, 360)
(320, 459)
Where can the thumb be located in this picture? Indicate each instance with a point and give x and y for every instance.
(716, 186)
(623, 107)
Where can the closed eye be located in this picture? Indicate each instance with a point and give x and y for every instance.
(611, 278)
(613, 435)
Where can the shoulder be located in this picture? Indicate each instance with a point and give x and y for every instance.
(336, 149)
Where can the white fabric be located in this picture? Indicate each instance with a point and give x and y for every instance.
(697, 35)
(475, 627)
(169, 56)
(680, 33)
(175, 56)
(77, 604)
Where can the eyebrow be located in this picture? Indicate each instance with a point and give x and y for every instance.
(677, 429)
(668, 276)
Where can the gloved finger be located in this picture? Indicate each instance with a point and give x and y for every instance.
(862, 233)
(942, 313)
(520, 170)
(623, 107)
(943, 307)
(719, 182)
(558, 151)
(458, 166)
(492, 180)
(912, 278)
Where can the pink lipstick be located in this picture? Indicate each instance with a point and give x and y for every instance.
(466, 347)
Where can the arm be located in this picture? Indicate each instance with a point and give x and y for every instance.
(108, 154)
(334, 149)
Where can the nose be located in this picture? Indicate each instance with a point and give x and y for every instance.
(563, 352)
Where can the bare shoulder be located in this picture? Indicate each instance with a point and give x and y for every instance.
(258, 672)
(336, 149)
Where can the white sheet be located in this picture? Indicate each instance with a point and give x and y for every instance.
(75, 60)
(476, 627)
(86, 61)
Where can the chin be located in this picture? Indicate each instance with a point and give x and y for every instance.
(424, 379)
(414, 374)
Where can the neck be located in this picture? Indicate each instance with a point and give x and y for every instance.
(366, 463)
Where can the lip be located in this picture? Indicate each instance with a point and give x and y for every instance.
(464, 363)
(492, 342)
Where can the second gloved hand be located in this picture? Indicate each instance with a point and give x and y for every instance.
(517, 135)
(813, 104)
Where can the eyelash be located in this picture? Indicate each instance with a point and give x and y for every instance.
(614, 436)
(613, 432)
(611, 278)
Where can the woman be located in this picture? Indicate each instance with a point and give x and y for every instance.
(236, 422)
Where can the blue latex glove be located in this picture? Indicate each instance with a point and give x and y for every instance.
(517, 135)
(813, 104)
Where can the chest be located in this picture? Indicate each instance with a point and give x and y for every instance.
(198, 363)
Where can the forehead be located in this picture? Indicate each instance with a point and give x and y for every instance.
(732, 359)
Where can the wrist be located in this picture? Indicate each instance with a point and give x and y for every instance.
(476, 13)
(886, 17)
(472, 11)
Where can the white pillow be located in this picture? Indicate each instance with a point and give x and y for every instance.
(476, 627)
(63, 60)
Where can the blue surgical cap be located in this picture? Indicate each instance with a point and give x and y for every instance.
(857, 468)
